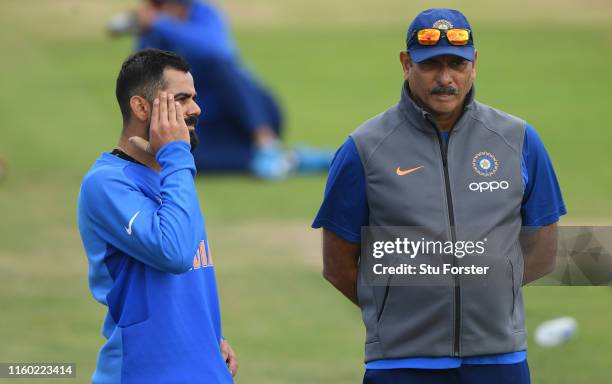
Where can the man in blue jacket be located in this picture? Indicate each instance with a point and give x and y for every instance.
(144, 235)
(241, 126)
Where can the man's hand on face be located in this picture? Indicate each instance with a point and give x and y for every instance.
(229, 356)
(167, 125)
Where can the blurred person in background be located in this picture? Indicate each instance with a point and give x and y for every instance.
(241, 124)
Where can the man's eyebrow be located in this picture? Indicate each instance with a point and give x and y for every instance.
(430, 61)
(181, 95)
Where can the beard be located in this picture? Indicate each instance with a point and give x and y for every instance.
(193, 140)
(192, 121)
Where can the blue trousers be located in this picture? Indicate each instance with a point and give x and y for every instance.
(233, 104)
(466, 374)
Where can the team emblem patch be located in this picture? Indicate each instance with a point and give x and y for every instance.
(485, 164)
(442, 24)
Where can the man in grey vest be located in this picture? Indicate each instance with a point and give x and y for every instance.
(441, 161)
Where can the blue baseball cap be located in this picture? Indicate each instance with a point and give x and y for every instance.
(439, 18)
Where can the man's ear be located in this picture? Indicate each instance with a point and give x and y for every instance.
(141, 108)
(406, 63)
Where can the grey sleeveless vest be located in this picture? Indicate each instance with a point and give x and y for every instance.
(451, 192)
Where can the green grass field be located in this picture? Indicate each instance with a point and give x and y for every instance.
(548, 63)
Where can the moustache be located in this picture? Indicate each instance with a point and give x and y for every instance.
(441, 90)
(191, 121)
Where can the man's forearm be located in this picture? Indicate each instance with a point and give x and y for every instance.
(340, 264)
(345, 282)
(539, 252)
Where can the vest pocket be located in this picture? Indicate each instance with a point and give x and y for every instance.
(415, 321)
(517, 263)
(509, 261)
(488, 304)
(384, 302)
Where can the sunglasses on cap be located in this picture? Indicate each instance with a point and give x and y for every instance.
(431, 36)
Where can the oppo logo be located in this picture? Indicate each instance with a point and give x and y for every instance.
(490, 186)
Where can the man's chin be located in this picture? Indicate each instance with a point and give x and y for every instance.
(443, 106)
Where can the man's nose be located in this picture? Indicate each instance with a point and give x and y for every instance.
(444, 76)
(194, 109)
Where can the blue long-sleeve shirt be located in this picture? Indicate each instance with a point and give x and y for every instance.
(150, 264)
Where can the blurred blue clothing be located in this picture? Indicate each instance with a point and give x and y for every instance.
(270, 162)
(233, 102)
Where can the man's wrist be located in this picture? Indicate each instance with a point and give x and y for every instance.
(174, 156)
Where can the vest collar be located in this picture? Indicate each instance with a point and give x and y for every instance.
(421, 118)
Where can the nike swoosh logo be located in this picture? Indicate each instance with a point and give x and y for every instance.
(128, 229)
(399, 172)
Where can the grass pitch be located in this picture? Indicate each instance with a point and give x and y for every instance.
(334, 64)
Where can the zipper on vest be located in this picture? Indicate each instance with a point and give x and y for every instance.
(451, 219)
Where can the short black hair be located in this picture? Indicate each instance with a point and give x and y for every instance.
(142, 74)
